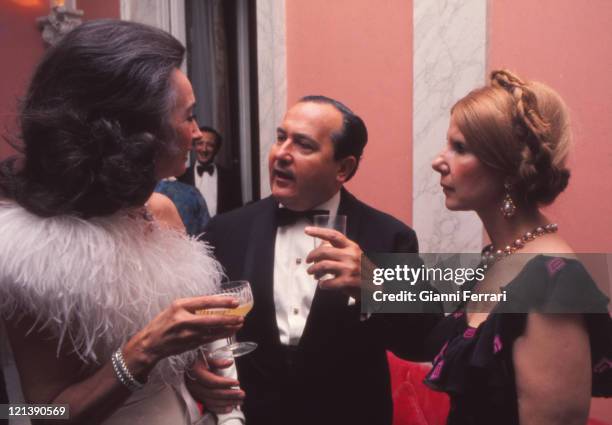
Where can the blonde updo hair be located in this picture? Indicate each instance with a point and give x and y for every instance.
(521, 130)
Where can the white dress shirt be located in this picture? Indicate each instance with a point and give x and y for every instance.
(207, 185)
(294, 289)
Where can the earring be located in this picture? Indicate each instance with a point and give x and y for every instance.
(508, 207)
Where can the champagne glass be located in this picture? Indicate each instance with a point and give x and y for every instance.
(241, 290)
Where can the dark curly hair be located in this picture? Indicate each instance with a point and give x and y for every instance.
(520, 130)
(94, 121)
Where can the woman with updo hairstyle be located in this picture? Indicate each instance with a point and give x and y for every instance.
(538, 353)
(97, 301)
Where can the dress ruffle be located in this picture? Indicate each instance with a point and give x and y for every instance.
(474, 365)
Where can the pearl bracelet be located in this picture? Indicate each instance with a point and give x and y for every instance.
(123, 373)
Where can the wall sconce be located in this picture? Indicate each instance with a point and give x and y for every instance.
(62, 17)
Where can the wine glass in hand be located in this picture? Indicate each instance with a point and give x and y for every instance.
(240, 290)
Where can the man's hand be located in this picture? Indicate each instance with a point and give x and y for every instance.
(339, 256)
(218, 394)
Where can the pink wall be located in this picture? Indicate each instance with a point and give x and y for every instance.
(362, 56)
(21, 47)
(99, 9)
(566, 44)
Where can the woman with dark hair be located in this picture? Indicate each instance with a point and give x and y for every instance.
(98, 301)
(505, 157)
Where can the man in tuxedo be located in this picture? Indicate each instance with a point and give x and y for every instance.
(319, 360)
(219, 186)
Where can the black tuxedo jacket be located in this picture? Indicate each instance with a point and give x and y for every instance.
(339, 374)
(229, 191)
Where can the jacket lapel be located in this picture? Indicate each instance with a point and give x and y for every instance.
(349, 207)
(259, 270)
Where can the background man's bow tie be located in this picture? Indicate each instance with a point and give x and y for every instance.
(285, 216)
(201, 168)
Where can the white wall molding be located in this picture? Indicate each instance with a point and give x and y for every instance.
(168, 15)
(449, 61)
(272, 78)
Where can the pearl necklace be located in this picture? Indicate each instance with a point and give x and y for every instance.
(490, 255)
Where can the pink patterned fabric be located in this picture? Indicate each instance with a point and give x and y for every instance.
(555, 265)
(497, 344)
(603, 365)
(469, 333)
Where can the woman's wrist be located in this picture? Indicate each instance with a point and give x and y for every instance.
(123, 373)
(139, 360)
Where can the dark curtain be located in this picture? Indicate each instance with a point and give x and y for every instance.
(208, 70)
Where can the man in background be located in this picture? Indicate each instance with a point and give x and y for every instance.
(219, 186)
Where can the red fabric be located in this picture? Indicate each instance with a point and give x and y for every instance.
(413, 402)
(596, 422)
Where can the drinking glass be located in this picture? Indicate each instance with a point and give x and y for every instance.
(241, 290)
(336, 222)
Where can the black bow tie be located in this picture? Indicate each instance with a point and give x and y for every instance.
(201, 168)
(285, 216)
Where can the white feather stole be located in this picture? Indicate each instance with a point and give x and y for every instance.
(95, 283)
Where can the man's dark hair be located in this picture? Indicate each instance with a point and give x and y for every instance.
(94, 121)
(353, 136)
(218, 137)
